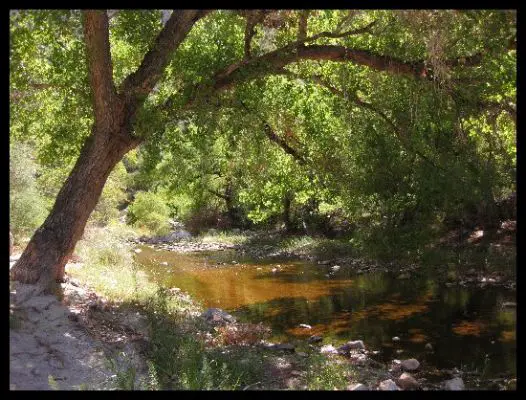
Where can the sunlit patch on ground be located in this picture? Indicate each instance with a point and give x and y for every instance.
(473, 328)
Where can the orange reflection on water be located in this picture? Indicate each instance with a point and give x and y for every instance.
(507, 336)
(473, 328)
(231, 288)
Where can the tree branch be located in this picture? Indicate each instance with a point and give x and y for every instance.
(277, 59)
(356, 100)
(302, 25)
(140, 83)
(252, 19)
(274, 137)
(96, 36)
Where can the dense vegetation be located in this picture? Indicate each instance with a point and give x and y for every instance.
(257, 121)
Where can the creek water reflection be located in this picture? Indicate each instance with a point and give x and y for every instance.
(467, 327)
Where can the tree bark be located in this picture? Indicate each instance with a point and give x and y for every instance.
(45, 256)
(44, 259)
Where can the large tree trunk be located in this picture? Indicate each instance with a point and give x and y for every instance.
(45, 256)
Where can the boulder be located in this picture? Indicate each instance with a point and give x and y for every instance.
(284, 347)
(352, 345)
(388, 385)
(216, 316)
(357, 386)
(410, 365)
(406, 381)
(454, 384)
(315, 339)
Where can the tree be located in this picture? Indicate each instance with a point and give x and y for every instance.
(194, 66)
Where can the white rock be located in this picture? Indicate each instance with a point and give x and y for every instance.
(410, 364)
(328, 348)
(137, 251)
(335, 268)
(454, 384)
(396, 339)
(306, 326)
(388, 385)
(358, 386)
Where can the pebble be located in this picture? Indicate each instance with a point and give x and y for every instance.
(358, 386)
(454, 384)
(315, 339)
(388, 385)
(407, 381)
(328, 348)
(410, 364)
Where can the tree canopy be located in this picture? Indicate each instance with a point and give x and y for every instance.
(399, 115)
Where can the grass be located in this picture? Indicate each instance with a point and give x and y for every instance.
(178, 356)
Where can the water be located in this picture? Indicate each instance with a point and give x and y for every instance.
(467, 327)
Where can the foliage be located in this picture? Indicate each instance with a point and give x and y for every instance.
(26, 206)
(388, 155)
(324, 374)
(150, 211)
(108, 265)
(112, 197)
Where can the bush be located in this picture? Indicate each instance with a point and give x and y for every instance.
(27, 208)
(112, 196)
(149, 211)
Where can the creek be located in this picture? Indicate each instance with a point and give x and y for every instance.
(467, 327)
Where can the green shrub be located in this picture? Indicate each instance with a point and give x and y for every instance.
(149, 211)
(112, 196)
(27, 208)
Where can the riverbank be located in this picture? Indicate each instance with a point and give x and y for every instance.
(472, 258)
(125, 332)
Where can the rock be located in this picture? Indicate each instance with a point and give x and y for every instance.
(164, 263)
(174, 290)
(358, 358)
(406, 381)
(315, 339)
(454, 384)
(352, 345)
(404, 275)
(357, 386)
(284, 347)
(305, 326)
(396, 365)
(410, 365)
(396, 339)
(429, 347)
(216, 316)
(328, 349)
(388, 385)
(335, 268)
